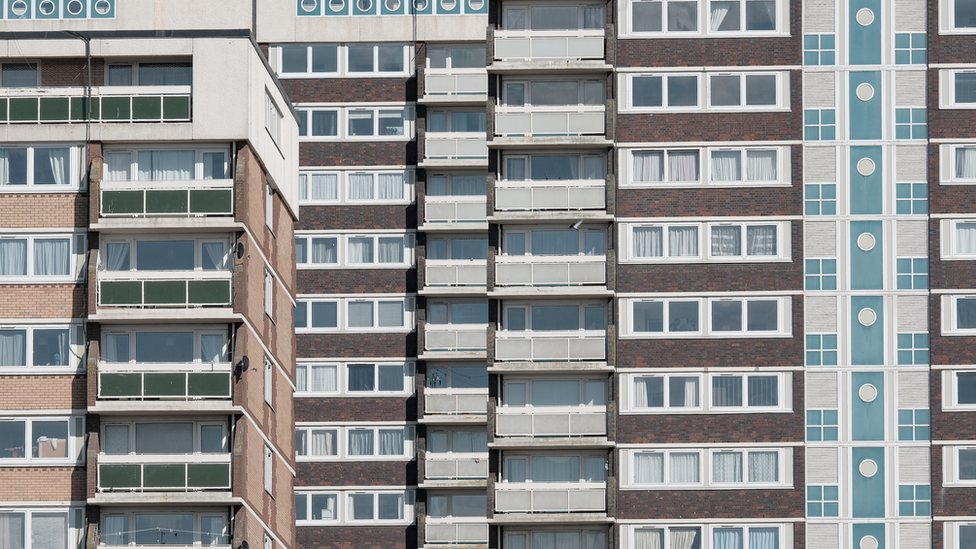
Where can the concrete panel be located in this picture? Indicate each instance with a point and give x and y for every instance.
(823, 536)
(909, 395)
(913, 466)
(909, 88)
(818, 16)
(819, 165)
(818, 90)
(821, 314)
(910, 162)
(910, 16)
(821, 391)
(820, 238)
(822, 465)
(911, 238)
(913, 313)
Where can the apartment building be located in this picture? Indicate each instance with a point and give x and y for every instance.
(148, 195)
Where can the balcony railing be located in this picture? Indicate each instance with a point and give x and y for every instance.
(558, 346)
(167, 198)
(455, 209)
(455, 531)
(456, 84)
(163, 382)
(551, 45)
(172, 290)
(108, 104)
(457, 467)
(158, 473)
(551, 421)
(455, 401)
(550, 270)
(454, 147)
(456, 273)
(583, 194)
(471, 338)
(550, 497)
(550, 121)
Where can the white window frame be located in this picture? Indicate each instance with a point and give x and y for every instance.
(783, 242)
(527, 158)
(343, 248)
(198, 330)
(342, 184)
(278, 54)
(947, 88)
(74, 172)
(307, 496)
(947, 25)
(582, 231)
(198, 243)
(448, 240)
(450, 68)
(342, 379)
(343, 113)
(198, 425)
(582, 306)
(950, 465)
(784, 312)
(268, 471)
(527, 535)
(783, 167)
(628, 535)
(76, 348)
(705, 468)
(272, 119)
(527, 382)
(343, 510)
(269, 294)
(449, 113)
(527, 19)
(74, 533)
(782, 20)
(704, 92)
(409, 308)
(75, 443)
(947, 164)
(527, 92)
(134, 65)
(448, 432)
(77, 248)
(342, 433)
(527, 456)
(950, 325)
(950, 390)
(269, 207)
(784, 385)
(269, 368)
(199, 172)
(408, 497)
(949, 239)
(952, 533)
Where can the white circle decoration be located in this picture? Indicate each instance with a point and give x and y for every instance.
(864, 91)
(865, 166)
(309, 5)
(19, 7)
(867, 392)
(392, 5)
(864, 17)
(868, 542)
(337, 5)
(448, 5)
(866, 242)
(867, 317)
(46, 7)
(102, 7)
(364, 5)
(476, 4)
(420, 5)
(868, 468)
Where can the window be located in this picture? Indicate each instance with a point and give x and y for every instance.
(456, 56)
(911, 198)
(821, 274)
(910, 48)
(819, 49)
(723, 317)
(370, 59)
(961, 18)
(556, 93)
(376, 507)
(389, 123)
(821, 350)
(960, 535)
(149, 74)
(378, 250)
(911, 123)
(268, 471)
(355, 379)
(913, 424)
(366, 251)
(822, 425)
(957, 88)
(159, 438)
(53, 528)
(713, 468)
(913, 348)
(590, 539)
(554, 242)
(958, 314)
(39, 168)
(915, 500)
(559, 167)
(458, 505)
(272, 120)
(549, 17)
(456, 121)
(741, 241)
(959, 466)
(316, 507)
(308, 60)
(456, 249)
(723, 166)
(457, 441)
(754, 536)
(683, 18)
(542, 318)
(158, 254)
(958, 164)
(457, 313)
(820, 199)
(823, 501)
(554, 468)
(336, 506)
(169, 164)
(269, 208)
(694, 392)
(269, 294)
(958, 390)
(390, 442)
(819, 124)
(268, 381)
(209, 527)
(348, 187)
(19, 75)
(42, 439)
(913, 273)
(42, 348)
(457, 185)
(42, 257)
(157, 344)
(723, 91)
(457, 377)
(355, 314)
(554, 392)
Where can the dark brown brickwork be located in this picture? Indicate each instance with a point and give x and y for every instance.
(357, 345)
(355, 409)
(947, 349)
(352, 218)
(71, 72)
(350, 90)
(358, 537)
(357, 281)
(947, 198)
(948, 123)
(357, 473)
(366, 153)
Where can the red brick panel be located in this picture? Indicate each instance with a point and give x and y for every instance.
(356, 409)
(357, 281)
(357, 473)
(71, 72)
(357, 345)
(44, 392)
(357, 537)
(26, 210)
(41, 301)
(43, 484)
(947, 349)
(350, 90)
(353, 218)
(365, 153)
(711, 52)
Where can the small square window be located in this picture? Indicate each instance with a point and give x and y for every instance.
(915, 500)
(822, 501)
(821, 274)
(910, 49)
(820, 199)
(821, 349)
(913, 349)
(819, 124)
(913, 273)
(913, 424)
(821, 425)
(912, 198)
(818, 49)
(911, 123)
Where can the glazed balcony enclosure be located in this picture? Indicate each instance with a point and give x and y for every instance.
(455, 260)
(552, 332)
(107, 104)
(456, 326)
(456, 518)
(458, 389)
(536, 108)
(455, 72)
(552, 484)
(552, 182)
(552, 407)
(547, 257)
(456, 134)
(551, 33)
(456, 198)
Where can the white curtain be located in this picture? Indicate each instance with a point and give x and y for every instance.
(515, 19)
(51, 257)
(13, 257)
(117, 166)
(683, 538)
(5, 170)
(726, 240)
(360, 186)
(325, 250)
(727, 467)
(323, 507)
(515, 169)
(515, 541)
(323, 379)
(726, 166)
(361, 250)
(391, 186)
(761, 165)
(360, 443)
(683, 166)
(212, 348)
(718, 13)
(323, 443)
(469, 185)
(682, 241)
(58, 159)
(689, 392)
(965, 163)
(438, 507)
(469, 442)
(166, 165)
(648, 539)
(594, 18)
(648, 166)
(763, 467)
(213, 255)
(13, 347)
(117, 347)
(965, 240)
(594, 469)
(648, 241)
(544, 540)
(595, 540)
(390, 250)
(649, 468)
(761, 240)
(115, 530)
(683, 467)
(117, 256)
(764, 538)
(727, 538)
(594, 167)
(391, 442)
(49, 530)
(515, 470)
(324, 186)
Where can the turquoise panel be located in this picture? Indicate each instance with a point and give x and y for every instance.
(392, 7)
(365, 7)
(867, 418)
(475, 6)
(76, 9)
(867, 267)
(868, 492)
(336, 7)
(877, 531)
(867, 342)
(866, 190)
(309, 7)
(448, 6)
(18, 9)
(865, 116)
(47, 9)
(101, 9)
(864, 40)
(421, 7)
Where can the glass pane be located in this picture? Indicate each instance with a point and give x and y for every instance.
(725, 91)
(164, 255)
(391, 378)
(555, 468)
(646, 90)
(165, 74)
(390, 58)
(212, 439)
(18, 75)
(13, 435)
(469, 313)
(682, 90)
(683, 392)
(120, 75)
(51, 347)
(213, 531)
(49, 439)
(164, 529)
(390, 506)
(325, 123)
(554, 17)
(469, 377)
(966, 388)
(362, 506)
(325, 59)
(361, 377)
(555, 393)
(116, 439)
(360, 57)
(13, 257)
(361, 315)
(294, 58)
(646, 16)
(762, 316)
(555, 93)
(682, 16)
(360, 123)
(727, 391)
(760, 15)
(164, 347)
(763, 391)
(683, 316)
(164, 438)
(51, 166)
(555, 317)
(726, 316)
(565, 242)
(760, 88)
(324, 314)
(475, 505)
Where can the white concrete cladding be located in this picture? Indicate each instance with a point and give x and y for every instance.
(150, 15)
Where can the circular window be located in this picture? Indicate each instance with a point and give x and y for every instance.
(865, 166)
(19, 7)
(866, 242)
(46, 7)
(420, 5)
(448, 5)
(868, 542)
(867, 392)
(392, 5)
(868, 468)
(867, 317)
(102, 7)
(864, 17)
(364, 5)
(476, 4)
(337, 5)
(864, 92)
(308, 6)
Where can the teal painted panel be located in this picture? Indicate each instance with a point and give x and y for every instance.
(864, 40)
(865, 116)
(866, 190)
(877, 531)
(867, 267)
(868, 493)
(867, 417)
(867, 342)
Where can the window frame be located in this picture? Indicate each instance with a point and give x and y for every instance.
(134, 66)
(37, 71)
(76, 346)
(784, 387)
(342, 379)
(947, 88)
(581, 405)
(582, 455)
(343, 112)
(74, 521)
(705, 468)
(198, 425)
(343, 62)
(704, 331)
(947, 163)
(272, 118)
(951, 391)
(199, 150)
(527, 534)
(343, 248)
(75, 447)
(950, 315)
(449, 58)
(77, 250)
(582, 232)
(343, 508)
(528, 330)
(950, 239)
(198, 330)
(951, 475)
(198, 271)
(704, 91)
(527, 18)
(78, 178)
(704, 167)
(783, 242)
(342, 186)
(947, 22)
(703, 21)
(342, 432)
(706, 531)
(527, 158)
(342, 301)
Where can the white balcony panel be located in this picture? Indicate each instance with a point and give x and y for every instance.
(456, 84)
(473, 338)
(455, 209)
(551, 345)
(550, 121)
(454, 403)
(456, 273)
(555, 497)
(457, 467)
(549, 195)
(549, 45)
(442, 530)
(550, 271)
(546, 422)
(456, 148)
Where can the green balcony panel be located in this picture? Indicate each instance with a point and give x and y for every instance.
(120, 385)
(209, 292)
(118, 476)
(164, 476)
(3, 109)
(165, 385)
(169, 292)
(176, 108)
(147, 108)
(115, 108)
(123, 292)
(211, 201)
(165, 202)
(77, 108)
(209, 384)
(55, 109)
(122, 202)
(208, 475)
(23, 109)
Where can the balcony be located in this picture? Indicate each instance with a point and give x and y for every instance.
(170, 290)
(471, 272)
(575, 345)
(443, 531)
(455, 209)
(569, 497)
(462, 338)
(456, 466)
(448, 148)
(176, 473)
(551, 421)
(455, 401)
(547, 271)
(129, 199)
(559, 195)
(548, 121)
(126, 382)
(108, 104)
(455, 85)
(549, 45)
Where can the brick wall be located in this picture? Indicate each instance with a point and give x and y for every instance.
(357, 345)
(71, 72)
(277, 510)
(351, 218)
(357, 281)
(55, 484)
(357, 473)
(66, 210)
(44, 392)
(36, 301)
(356, 409)
(358, 537)
(351, 90)
(366, 153)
